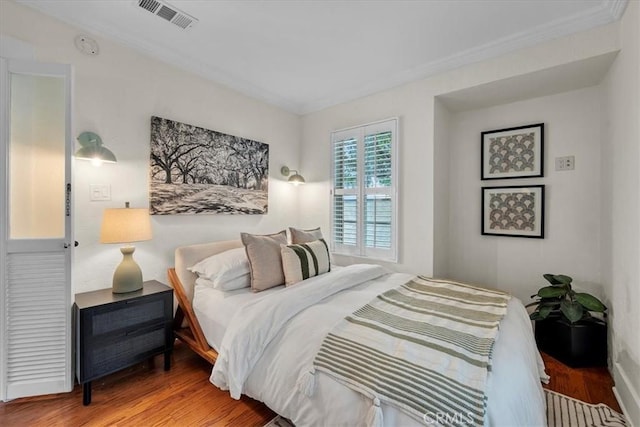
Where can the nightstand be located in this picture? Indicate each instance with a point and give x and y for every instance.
(115, 331)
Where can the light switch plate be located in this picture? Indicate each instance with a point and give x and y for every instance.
(100, 192)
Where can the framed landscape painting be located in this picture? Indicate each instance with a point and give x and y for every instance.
(515, 211)
(513, 152)
(200, 171)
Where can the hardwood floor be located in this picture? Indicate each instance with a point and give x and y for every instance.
(143, 395)
(592, 385)
(146, 395)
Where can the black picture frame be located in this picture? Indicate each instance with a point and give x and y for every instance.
(510, 153)
(513, 211)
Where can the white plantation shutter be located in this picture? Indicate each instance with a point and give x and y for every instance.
(363, 205)
(378, 191)
(345, 191)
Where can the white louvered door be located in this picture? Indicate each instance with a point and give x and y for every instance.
(36, 229)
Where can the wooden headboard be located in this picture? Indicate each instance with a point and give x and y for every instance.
(185, 325)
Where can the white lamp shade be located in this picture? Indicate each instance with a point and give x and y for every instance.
(125, 225)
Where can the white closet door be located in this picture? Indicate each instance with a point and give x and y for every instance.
(36, 230)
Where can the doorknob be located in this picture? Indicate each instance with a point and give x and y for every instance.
(67, 245)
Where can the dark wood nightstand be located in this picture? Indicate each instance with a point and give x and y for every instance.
(115, 331)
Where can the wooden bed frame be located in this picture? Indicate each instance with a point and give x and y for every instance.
(185, 324)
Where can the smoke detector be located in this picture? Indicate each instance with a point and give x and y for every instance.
(86, 45)
(168, 12)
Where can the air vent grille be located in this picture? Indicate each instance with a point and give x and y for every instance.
(150, 5)
(168, 13)
(182, 21)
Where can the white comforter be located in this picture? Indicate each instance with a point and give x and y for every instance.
(271, 342)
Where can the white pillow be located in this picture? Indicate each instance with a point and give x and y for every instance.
(204, 282)
(223, 268)
(243, 281)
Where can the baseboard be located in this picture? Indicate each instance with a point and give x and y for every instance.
(627, 396)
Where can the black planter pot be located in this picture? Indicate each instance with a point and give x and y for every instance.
(578, 345)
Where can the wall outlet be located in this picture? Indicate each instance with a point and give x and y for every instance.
(100, 192)
(566, 163)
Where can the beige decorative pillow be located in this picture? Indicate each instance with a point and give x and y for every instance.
(305, 260)
(304, 236)
(265, 261)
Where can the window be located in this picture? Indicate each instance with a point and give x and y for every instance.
(364, 195)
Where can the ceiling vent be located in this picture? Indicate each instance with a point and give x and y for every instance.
(168, 12)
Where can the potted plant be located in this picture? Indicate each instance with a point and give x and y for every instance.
(565, 327)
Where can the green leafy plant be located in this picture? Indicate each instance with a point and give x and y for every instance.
(559, 298)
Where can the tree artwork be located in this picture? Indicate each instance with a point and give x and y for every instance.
(196, 170)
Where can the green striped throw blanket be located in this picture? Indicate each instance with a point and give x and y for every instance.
(424, 347)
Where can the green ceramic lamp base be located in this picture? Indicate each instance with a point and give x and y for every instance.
(128, 276)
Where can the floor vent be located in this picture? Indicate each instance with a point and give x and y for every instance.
(168, 12)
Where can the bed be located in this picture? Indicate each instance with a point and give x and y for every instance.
(267, 363)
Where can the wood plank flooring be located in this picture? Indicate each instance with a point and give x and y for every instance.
(143, 395)
(146, 395)
(591, 385)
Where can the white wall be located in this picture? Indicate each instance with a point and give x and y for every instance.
(421, 157)
(442, 194)
(116, 93)
(413, 155)
(573, 126)
(595, 237)
(621, 210)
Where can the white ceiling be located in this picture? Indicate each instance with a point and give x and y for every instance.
(307, 55)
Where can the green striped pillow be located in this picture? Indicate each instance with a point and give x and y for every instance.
(304, 260)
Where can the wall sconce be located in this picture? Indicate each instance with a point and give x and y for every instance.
(126, 225)
(294, 178)
(91, 148)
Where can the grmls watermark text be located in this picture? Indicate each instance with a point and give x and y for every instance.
(448, 418)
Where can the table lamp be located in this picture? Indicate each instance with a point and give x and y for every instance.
(126, 225)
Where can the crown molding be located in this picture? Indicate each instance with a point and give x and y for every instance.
(617, 8)
(605, 12)
(608, 11)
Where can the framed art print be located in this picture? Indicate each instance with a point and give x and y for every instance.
(513, 152)
(516, 211)
(195, 170)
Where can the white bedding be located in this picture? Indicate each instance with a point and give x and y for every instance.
(215, 308)
(272, 340)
